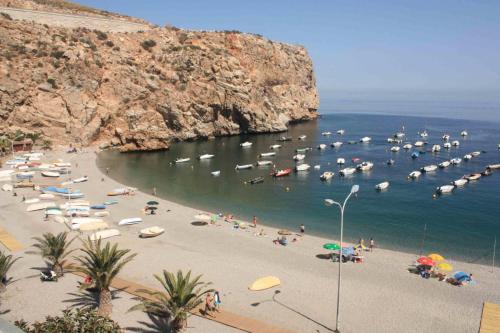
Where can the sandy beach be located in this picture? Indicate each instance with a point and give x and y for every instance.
(379, 295)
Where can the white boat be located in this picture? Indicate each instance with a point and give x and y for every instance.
(337, 144)
(407, 146)
(341, 132)
(460, 182)
(83, 220)
(464, 133)
(322, 146)
(365, 139)
(206, 156)
(75, 203)
(102, 213)
(493, 166)
(302, 137)
(299, 157)
(262, 163)
(59, 219)
(104, 234)
(429, 168)
(436, 148)
(395, 149)
(317, 167)
(31, 201)
(456, 161)
(445, 189)
(303, 167)
(40, 206)
(467, 157)
(182, 160)
(340, 160)
(268, 154)
(6, 173)
(73, 195)
(215, 173)
(475, 153)
(382, 186)
(130, 221)
(53, 211)
(446, 137)
(274, 146)
(327, 175)
(326, 133)
(76, 213)
(46, 196)
(347, 171)
(473, 177)
(151, 232)
(447, 145)
(62, 164)
(444, 164)
(365, 166)
(455, 143)
(399, 135)
(246, 144)
(414, 174)
(80, 180)
(244, 166)
(424, 134)
(7, 187)
(93, 226)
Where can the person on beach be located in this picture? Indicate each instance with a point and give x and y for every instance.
(217, 301)
(362, 242)
(254, 221)
(208, 300)
(302, 229)
(372, 244)
(154, 191)
(107, 171)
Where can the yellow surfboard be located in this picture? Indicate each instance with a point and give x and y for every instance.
(265, 283)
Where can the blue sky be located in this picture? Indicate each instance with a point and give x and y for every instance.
(358, 45)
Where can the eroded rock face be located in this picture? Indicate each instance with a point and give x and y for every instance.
(142, 91)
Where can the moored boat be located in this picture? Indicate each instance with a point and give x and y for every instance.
(262, 163)
(274, 146)
(340, 161)
(302, 167)
(365, 166)
(285, 138)
(337, 144)
(382, 186)
(244, 166)
(447, 145)
(445, 189)
(424, 134)
(419, 144)
(494, 166)
(446, 137)
(455, 143)
(326, 133)
(317, 167)
(299, 157)
(182, 160)
(460, 182)
(206, 156)
(475, 153)
(464, 133)
(365, 139)
(215, 173)
(281, 173)
(444, 164)
(395, 149)
(467, 157)
(429, 168)
(436, 148)
(347, 171)
(327, 175)
(246, 144)
(407, 146)
(456, 161)
(322, 146)
(390, 162)
(473, 176)
(414, 174)
(268, 154)
(130, 221)
(486, 172)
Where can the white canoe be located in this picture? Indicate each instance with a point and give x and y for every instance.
(460, 182)
(40, 206)
(268, 154)
(102, 213)
(92, 226)
(473, 177)
(104, 234)
(382, 186)
(206, 156)
(415, 174)
(151, 232)
(51, 174)
(244, 166)
(7, 187)
(130, 221)
(31, 201)
(215, 173)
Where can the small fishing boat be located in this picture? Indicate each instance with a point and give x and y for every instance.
(390, 162)
(130, 221)
(347, 171)
(456, 161)
(40, 206)
(419, 144)
(151, 232)
(215, 173)
(322, 146)
(341, 131)
(467, 157)
(262, 163)
(317, 167)
(98, 207)
(47, 196)
(493, 166)
(382, 186)
(302, 137)
(445, 189)
(340, 161)
(72, 195)
(446, 137)
(447, 145)
(182, 160)
(475, 153)
(414, 174)
(444, 164)
(256, 180)
(326, 133)
(246, 144)
(206, 156)
(455, 143)
(365, 166)
(327, 175)
(104, 234)
(436, 148)
(244, 166)
(464, 133)
(473, 176)
(80, 180)
(299, 157)
(407, 146)
(274, 146)
(337, 144)
(460, 182)
(303, 150)
(424, 134)
(395, 149)
(302, 167)
(281, 173)
(486, 172)
(429, 168)
(285, 138)
(102, 213)
(365, 139)
(31, 201)
(268, 154)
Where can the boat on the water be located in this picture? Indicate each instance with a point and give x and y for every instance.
(281, 173)
(464, 133)
(341, 131)
(447, 145)
(473, 176)
(322, 146)
(347, 171)
(317, 167)
(104, 234)
(274, 146)
(445, 189)
(414, 174)
(390, 162)
(327, 175)
(424, 134)
(436, 148)
(446, 137)
(130, 221)
(456, 161)
(337, 144)
(365, 166)
(395, 149)
(419, 144)
(340, 161)
(429, 168)
(272, 153)
(302, 167)
(493, 166)
(206, 156)
(256, 180)
(262, 163)
(299, 157)
(444, 164)
(467, 157)
(475, 153)
(455, 143)
(382, 186)
(151, 232)
(326, 133)
(215, 173)
(365, 139)
(302, 137)
(244, 166)
(407, 146)
(182, 160)
(246, 144)
(460, 182)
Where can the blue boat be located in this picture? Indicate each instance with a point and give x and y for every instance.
(110, 202)
(415, 154)
(60, 190)
(98, 206)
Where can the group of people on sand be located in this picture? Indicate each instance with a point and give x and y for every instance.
(212, 303)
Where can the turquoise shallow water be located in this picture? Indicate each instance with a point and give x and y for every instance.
(461, 225)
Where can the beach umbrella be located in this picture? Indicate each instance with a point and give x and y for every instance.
(284, 232)
(425, 261)
(331, 246)
(444, 266)
(152, 203)
(202, 217)
(460, 276)
(152, 208)
(436, 257)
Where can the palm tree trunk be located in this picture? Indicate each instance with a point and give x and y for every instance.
(58, 269)
(179, 325)
(105, 306)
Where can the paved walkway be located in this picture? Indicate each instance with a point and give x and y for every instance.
(224, 317)
(490, 320)
(9, 242)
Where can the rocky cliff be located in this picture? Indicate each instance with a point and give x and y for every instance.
(144, 90)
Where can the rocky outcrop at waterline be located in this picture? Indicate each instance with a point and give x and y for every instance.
(144, 90)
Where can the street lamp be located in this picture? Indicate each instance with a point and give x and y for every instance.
(330, 202)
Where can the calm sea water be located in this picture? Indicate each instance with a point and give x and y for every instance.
(461, 225)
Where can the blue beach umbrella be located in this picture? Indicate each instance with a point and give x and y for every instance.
(461, 276)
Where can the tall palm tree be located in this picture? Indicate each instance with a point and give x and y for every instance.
(54, 249)
(181, 295)
(6, 262)
(102, 264)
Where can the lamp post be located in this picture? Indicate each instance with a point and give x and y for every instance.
(331, 202)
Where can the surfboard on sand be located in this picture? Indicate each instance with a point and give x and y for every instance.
(265, 283)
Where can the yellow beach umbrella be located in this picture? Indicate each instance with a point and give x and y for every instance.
(436, 257)
(444, 266)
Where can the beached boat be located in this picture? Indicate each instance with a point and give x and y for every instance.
(265, 283)
(444, 164)
(215, 173)
(51, 211)
(455, 143)
(414, 174)
(24, 184)
(326, 133)
(429, 168)
(365, 166)
(299, 157)
(365, 139)
(473, 176)
(445, 189)
(436, 148)
(84, 220)
(31, 201)
(262, 163)
(46, 196)
(382, 186)
(475, 153)
(98, 207)
(341, 131)
(447, 145)
(205, 156)
(62, 164)
(456, 161)
(337, 144)
(327, 175)
(182, 160)
(256, 180)
(302, 137)
(130, 221)
(102, 213)
(281, 173)
(460, 182)
(120, 191)
(104, 234)
(91, 226)
(446, 137)
(246, 144)
(407, 146)
(347, 171)
(268, 154)
(494, 166)
(419, 144)
(467, 157)
(244, 166)
(110, 202)
(395, 149)
(322, 146)
(7, 187)
(25, 175)
(72, 195)
(464, 133)
(76, 203)
(317, 167)
(151, 232)
(302, 167)
(274, 146)
(340, 161)
(40, 206)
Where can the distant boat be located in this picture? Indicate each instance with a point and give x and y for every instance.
(365, 166)
(355, 159)
(268, 154)
(407, 146)
(246, 144)
(436, 148)
(215, 173)
(447, 145)
(347, 171)
(341, 131)
(415, 154)
(326, 133)
(46, 196)
(475, 153)
(464, 133)
(32, 201)
(40, 206)
(130, 221)
(382, 186)
(456, 161)
(391, 162)
(302, 137)
(424, 134)
(317, 167)
(455, 143)
(299, 157)
(281, 173)
(429, 168)
(446, 137)
(467, 157)
(244, 166)
(445, 189)
(322, 146)
(303, 150)
(182, 160)
(262, 163)
(493, 166)
(460, 182)
(285, 138)
(104, 234)
(256, 180)
(365, 139)
(151, 232)
(414, 174)
(395, 149)
(274, 146)
(327, 175)
(81, 179)
(302, 167)
(206, 156)
(337, 144)
(340, 161)
(473, 177)
(419, 144)
(486, 172)
(399, 135)
(444, 164)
